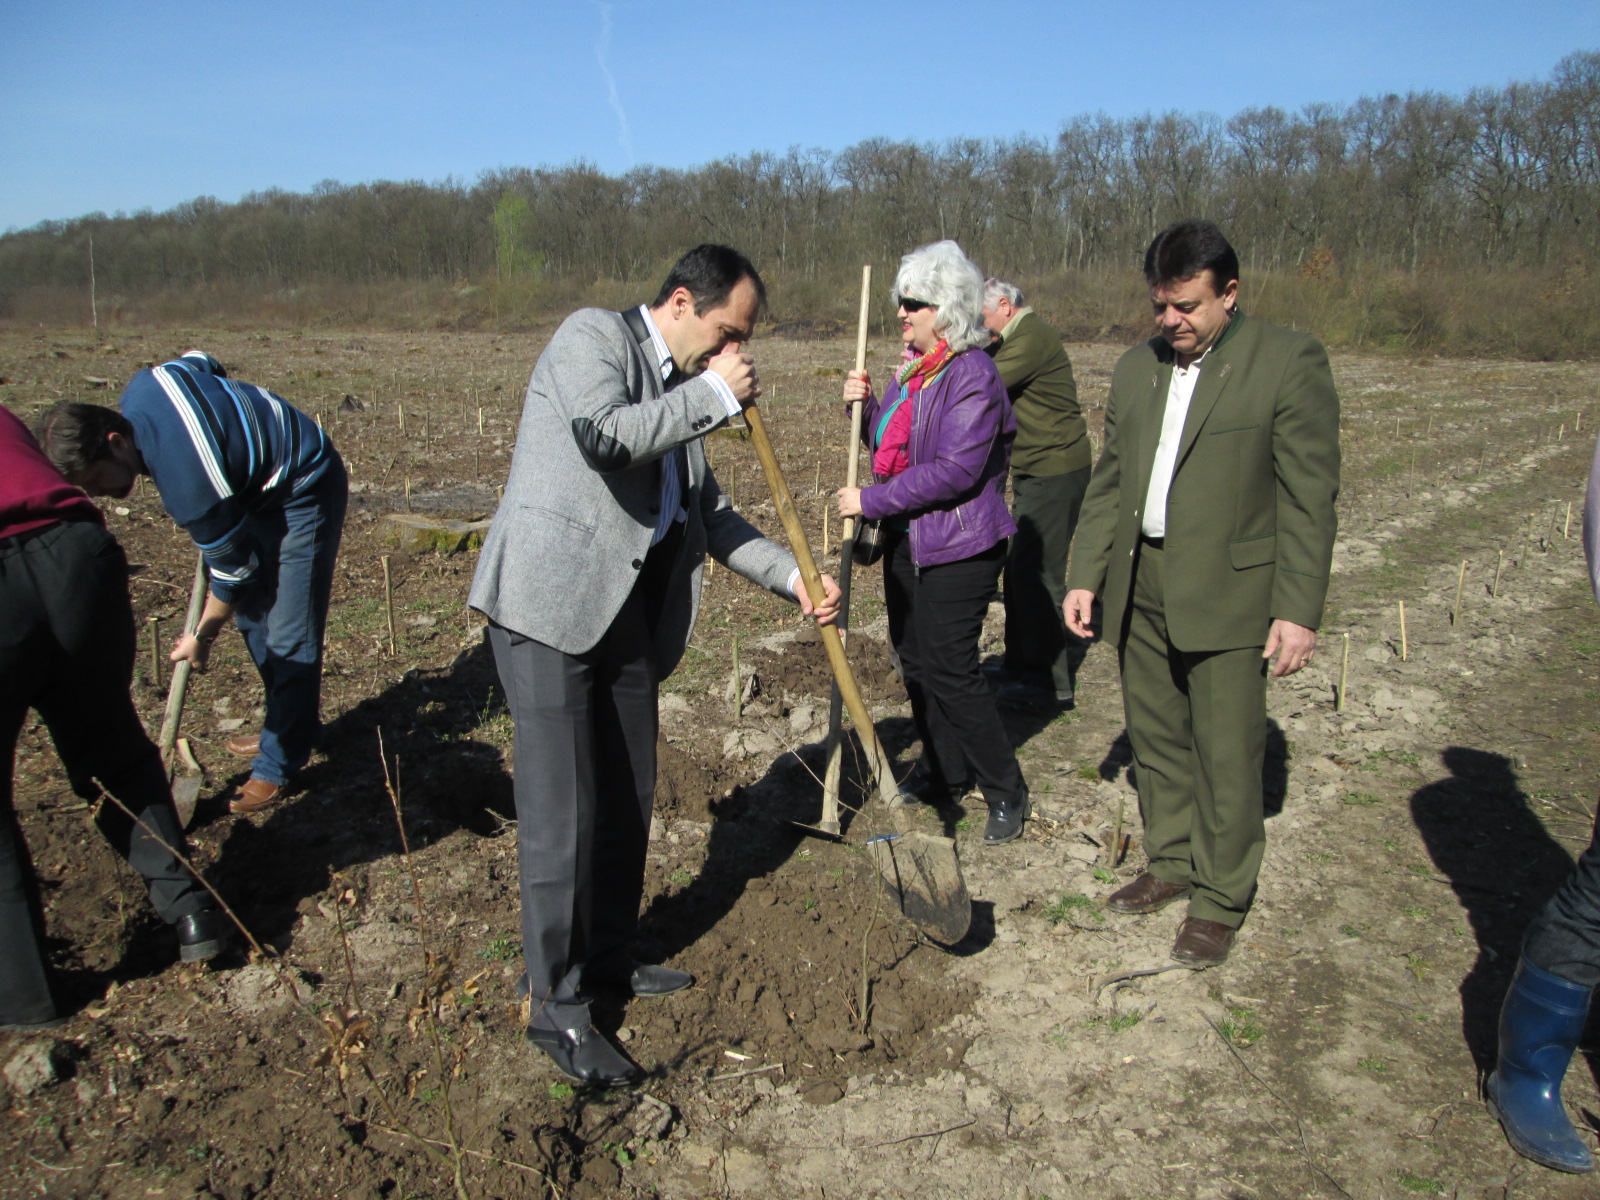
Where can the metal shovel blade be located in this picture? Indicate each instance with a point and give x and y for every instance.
(185, 795)
(923, 875)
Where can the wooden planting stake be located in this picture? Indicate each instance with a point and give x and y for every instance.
(816, 483)
(499, 492)
(1405, 647)
(738, 685)
(480, 420)
(1344, 675)
(1411, 475)
(1482, 454)
(824, 531)
(1562, 432)
(155, 651)
(1461, 582)
(388, 602)
(1577, 426)
(400, 415)
(1430, 426)
(733, 486)
(408, 493)
(1499, 561)
(1566, 528)
(1397, 429)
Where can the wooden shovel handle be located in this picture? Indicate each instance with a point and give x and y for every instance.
(843, 676)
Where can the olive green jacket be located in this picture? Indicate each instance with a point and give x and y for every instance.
(1051, 436)
(1250, 515)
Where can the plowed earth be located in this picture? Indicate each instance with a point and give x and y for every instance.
(372, 1048)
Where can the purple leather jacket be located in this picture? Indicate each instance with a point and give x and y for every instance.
(954, 490)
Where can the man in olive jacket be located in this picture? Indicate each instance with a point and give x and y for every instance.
(1049, 474)
(1207, 534)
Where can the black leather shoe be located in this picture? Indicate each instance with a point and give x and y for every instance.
(1005, 820)
(652, 979)
(32, 1026)
(585, 1055)
(642, 979)
(202, 935)
(1024, 693)
(924, 789)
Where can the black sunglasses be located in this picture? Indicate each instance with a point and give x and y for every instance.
(911, 306)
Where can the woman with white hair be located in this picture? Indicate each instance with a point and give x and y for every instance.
(940, 438)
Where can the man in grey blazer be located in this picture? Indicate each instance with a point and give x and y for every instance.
(590, 578)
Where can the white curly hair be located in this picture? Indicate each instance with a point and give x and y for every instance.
(940, 274)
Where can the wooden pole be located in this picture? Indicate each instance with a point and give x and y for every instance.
(738, 683)
(388, 602)
(1461, 582)
(1499, 561)
(408, 493)
(400, 415)
(1344, 675)
(1405, 648)
(155, 651)
(1566, 527)
(847, 540)
(824, 531)
(480, 420)
(831, 643)
(180, 673)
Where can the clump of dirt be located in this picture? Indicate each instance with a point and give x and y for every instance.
(802, 669)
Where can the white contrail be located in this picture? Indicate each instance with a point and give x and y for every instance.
(624, 137)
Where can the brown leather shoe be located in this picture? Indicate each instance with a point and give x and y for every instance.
(255, 795)
(245, 745)
(1146, 894)
(1203, 943)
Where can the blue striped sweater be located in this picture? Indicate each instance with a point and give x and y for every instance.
(220, 450)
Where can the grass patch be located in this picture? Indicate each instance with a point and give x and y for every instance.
(1361, 799)
(1240, 1026)
(1375, 1066)
(1070, 905)
(1420, 1184)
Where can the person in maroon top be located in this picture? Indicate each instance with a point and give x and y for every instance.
(67, 645)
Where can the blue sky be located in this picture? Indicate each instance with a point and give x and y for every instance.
(117, 106)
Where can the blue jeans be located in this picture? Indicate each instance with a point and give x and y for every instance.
(283, 614)
(1564, 938)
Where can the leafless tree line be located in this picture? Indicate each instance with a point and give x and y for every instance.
(1498, 178)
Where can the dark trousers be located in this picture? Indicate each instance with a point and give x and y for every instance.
(935, 617)
(1045, 508)
(1198, 724)
(283, 617)
(1564, 938)
(67, 646)
(584, 781)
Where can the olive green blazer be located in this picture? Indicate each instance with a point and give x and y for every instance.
(1052, 438)
(1250, 515)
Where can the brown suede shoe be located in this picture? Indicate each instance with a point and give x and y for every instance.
(255, 795)
(1146, 894)
(1203, 943)
(245, 745)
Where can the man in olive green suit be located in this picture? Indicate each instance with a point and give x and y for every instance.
(1049, 474)
(1207, 534)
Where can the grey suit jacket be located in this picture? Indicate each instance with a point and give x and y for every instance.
(583, 497)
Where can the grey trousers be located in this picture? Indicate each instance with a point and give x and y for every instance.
(584, 781)
(1035, 583)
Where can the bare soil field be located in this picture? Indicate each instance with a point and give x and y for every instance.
(373, 1048)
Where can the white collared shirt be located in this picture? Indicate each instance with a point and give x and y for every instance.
(671, 492)
(673, 464)
(1179, 393)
